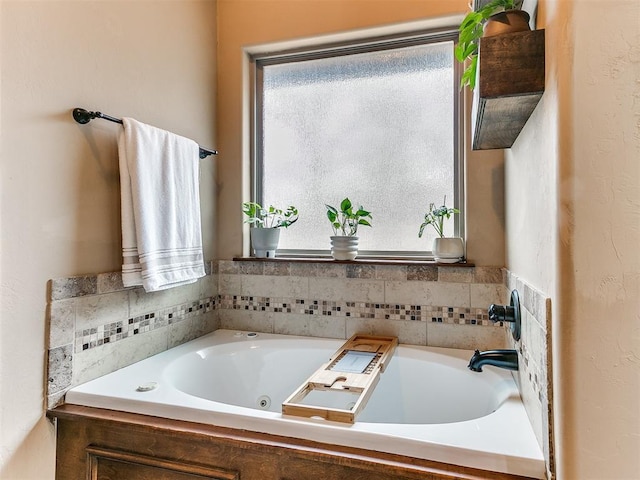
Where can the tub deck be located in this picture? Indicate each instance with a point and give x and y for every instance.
(501, 441)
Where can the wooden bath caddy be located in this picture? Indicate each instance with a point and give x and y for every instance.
(354, 368)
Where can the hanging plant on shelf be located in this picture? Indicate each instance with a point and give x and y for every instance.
(472, 28)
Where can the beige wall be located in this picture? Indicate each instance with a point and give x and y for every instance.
(573, 229)
(154, 61)
(251, 22)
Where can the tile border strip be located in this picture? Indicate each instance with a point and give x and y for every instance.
(89, 338)
(370, 310)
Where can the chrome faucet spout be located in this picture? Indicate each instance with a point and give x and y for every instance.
(507, 359)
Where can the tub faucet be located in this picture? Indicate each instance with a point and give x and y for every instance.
(498, 358)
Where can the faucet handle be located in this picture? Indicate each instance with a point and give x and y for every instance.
(496, 312)
(508, 313)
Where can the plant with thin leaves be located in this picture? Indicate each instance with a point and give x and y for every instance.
(270, 217)
(471, 30)
(345, 221)
(436, 216)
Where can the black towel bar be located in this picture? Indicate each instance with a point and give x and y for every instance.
(83, 116)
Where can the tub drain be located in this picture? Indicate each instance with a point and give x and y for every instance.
(264, 402)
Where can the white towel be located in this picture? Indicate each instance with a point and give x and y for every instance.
(161, 232)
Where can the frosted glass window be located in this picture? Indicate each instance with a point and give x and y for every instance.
(379, 127)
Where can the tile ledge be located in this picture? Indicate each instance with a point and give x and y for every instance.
(358, 261)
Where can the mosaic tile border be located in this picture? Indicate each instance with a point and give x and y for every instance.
(384, 311)
(115, 331)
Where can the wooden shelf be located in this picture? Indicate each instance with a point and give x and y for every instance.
(509, 85)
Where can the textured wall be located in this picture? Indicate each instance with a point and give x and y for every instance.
(573, 229)
(59, 181)
(253, 22)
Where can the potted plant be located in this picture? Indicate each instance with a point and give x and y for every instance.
(445, 249)
(345, 223)
(266, 224)
(496, 17)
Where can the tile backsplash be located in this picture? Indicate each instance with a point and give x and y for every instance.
(420, 304)
(97, 326)
(534, 375)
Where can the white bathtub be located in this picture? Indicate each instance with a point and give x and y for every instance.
(427, 405)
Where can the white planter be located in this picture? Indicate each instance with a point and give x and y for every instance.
(265, 241)
(344, 248)
(448, 249)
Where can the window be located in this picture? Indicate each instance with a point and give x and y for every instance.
(377, 122)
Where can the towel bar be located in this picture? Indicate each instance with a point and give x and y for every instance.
(83, 116)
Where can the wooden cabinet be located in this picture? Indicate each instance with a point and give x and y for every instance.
(96, 444)
(511, 74)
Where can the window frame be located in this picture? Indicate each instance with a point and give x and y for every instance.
(258, 60)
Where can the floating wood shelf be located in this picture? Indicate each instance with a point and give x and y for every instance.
(353, 370)
(509, 85)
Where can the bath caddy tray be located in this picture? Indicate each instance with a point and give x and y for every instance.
(340, 388)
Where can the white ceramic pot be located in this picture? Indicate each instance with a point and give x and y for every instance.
(344, 248)
(265, 241)
(448, 249)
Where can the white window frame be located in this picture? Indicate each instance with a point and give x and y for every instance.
(257, 57)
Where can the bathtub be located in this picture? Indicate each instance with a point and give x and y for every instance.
(427, 405)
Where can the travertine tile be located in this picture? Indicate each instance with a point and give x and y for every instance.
(95, 310)
(62, 322)
(275, 286)
(391, 272)
(59, 368)
(309, 325)
(94, 363)
(455, 274)
(292, 324)
(251, 268)
(423, 273)
(55, 399)
(484, 294)
(229, 284)
(277, 268)
(228, 266)
(303, 269)
(487, 275)
(333, 270)
(208, 286)
(72, 287)
(183, 332)
(467, 337)
(342, 289)
(407, 331)
(139, 347)
(110, 282)
(361, 271)
(428, 293)
(327, 327)
(141, 302)
(208, 322)
(246, 320)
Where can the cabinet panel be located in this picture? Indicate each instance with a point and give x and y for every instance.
(97, 444)
(107, 464)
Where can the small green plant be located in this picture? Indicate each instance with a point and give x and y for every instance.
(435, 217)
(345, 221)
(471, 30)
(270, 217)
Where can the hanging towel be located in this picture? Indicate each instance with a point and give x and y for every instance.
(161, 232)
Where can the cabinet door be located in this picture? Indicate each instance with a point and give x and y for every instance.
(107, 464)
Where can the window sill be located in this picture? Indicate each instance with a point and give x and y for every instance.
(358, 261)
